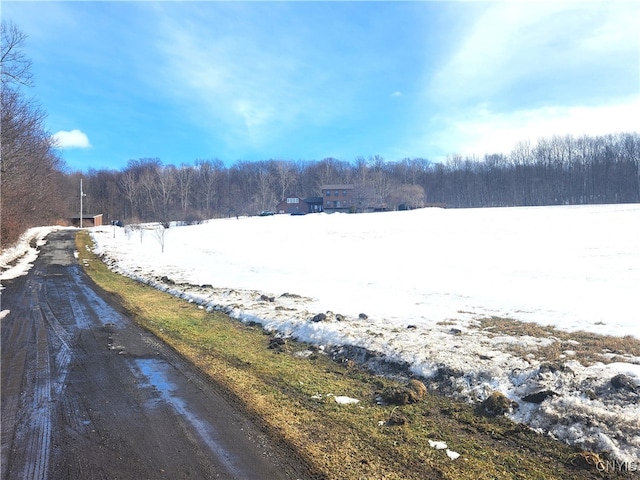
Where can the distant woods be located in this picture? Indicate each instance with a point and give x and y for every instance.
(553, 171)
(36, 189)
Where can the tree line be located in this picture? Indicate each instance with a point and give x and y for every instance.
(555, 171)
(552, 171)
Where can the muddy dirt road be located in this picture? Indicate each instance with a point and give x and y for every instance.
(88, 394)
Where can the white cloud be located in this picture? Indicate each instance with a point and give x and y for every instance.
(396, 94)
(71, 139)
(484, 131)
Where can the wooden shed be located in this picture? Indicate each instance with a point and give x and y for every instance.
(88, 220)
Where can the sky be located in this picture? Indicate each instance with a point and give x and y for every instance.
(247, 81)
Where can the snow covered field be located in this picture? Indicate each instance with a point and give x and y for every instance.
(424, 278)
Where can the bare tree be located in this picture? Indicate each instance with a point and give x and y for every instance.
(286, 175)
(208, 177)
(166, 188)
(131, 188)
(160, 234)
(379, 180)
(361, 170)
(406, 197)
(329, 172)
(30, 170)
(185, 178)
(148, 178)
(264, 194)
(15, 67)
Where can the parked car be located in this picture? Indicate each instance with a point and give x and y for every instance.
(266, 213)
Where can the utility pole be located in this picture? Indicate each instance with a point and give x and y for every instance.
(81, 195)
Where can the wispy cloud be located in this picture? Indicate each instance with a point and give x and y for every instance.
(71, 139)
(514, 45)
(249, 80)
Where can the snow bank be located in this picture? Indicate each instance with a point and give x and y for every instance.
(17, 259)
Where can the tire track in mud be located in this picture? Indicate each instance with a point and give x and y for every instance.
(16, 334)
(26, 406)
(61, 338)
(53, 356)
(38, 426)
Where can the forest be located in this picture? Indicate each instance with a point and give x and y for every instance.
(555, 171)
(36, 188)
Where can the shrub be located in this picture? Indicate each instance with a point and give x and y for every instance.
(498, 404)
(413, 392)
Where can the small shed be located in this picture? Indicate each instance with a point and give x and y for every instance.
(88, 220)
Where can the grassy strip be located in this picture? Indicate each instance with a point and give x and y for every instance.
(291, 393)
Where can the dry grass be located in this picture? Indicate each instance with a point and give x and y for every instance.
(290, 395)
(588, 347)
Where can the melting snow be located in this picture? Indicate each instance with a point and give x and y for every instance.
(437, 444)
(17, 259)
(452, 455)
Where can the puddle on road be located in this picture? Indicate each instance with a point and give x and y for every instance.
(157, 374)
(105, 313)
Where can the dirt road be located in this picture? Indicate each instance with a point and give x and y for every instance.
(88, 394)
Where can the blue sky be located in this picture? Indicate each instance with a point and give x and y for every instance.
(183, 81)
